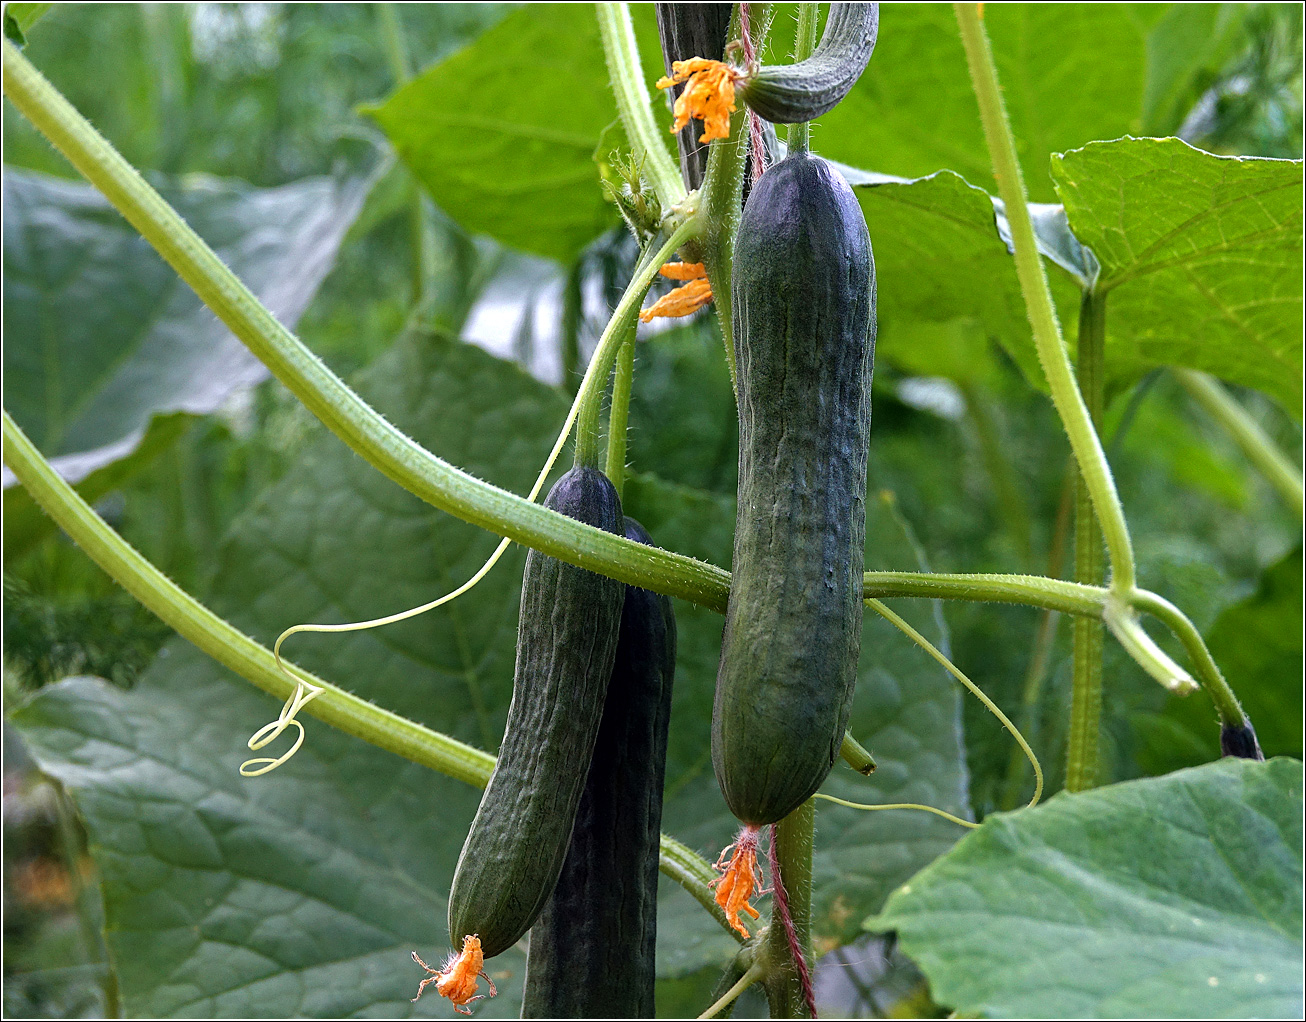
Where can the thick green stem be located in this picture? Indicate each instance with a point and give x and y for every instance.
(721, 201)
(799, 136)
(628, 85)
(326, 395)
(256, 664)
(1030, 590)
(619, 412)
(1038, 302)
(1246, 432)
(1082, 746)
(788, 982)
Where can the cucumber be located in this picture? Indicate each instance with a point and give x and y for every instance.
(592, 948)
(804, 304)
(566, 644)
(692, 30)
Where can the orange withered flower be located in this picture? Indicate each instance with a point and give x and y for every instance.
(457, 980)
(709, 95)
(736, 885)
(689, 297)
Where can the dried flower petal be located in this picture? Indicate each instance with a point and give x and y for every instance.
(683, 271)
(709, 95)
(736, 885)
(457, 980)
(681, 302)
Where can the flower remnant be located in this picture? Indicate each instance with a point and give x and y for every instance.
(457, 980)
(689, 297)
(739, 879)
(709, 95)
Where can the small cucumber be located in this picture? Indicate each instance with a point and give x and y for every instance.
(804, 307)
(592, 948)
(566, 644)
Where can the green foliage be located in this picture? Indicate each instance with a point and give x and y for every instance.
(1201, 256)
(525, 140)
(303, 892)
(102, 388)
(1174, 896)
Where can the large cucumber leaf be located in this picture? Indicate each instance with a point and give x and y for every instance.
(89, 387)
(1201, 256)
(503, 133)
(913, 110)
(1176, 896)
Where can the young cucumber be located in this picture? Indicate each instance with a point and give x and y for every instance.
(804, 313)
(592, 948)
(566, 644)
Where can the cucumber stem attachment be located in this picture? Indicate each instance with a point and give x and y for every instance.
(799, 134)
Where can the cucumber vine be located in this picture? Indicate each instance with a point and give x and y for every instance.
(696, 225)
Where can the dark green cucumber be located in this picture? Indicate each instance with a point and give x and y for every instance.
(692, 30)
(592, 948)
(566, 644)
(804, 307)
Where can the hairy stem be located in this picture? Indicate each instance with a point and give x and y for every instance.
(1246, 432)
(1208, 673)
(628, 85)
(1051, 348)
(799, 135)
(1082, 755)
(789, 937)
(619, 412)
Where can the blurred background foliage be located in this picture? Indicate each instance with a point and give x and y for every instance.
(270, 96)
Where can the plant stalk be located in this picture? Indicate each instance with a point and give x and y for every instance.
(627, 75)
(1246, 432)
(1051, 348)
(798, 138)
(788, 950)
(1082, 747)
(619, 412)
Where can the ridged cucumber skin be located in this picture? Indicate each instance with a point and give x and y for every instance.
(592, 948)
(566, 645)
(804, 306)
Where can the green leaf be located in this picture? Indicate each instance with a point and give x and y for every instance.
(1176, 896)
(914, 109)
(907, 712)
(503, 133)
(302, 892)
(940, 257)
(19, 19)
(1201, 255)
(101, 335)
